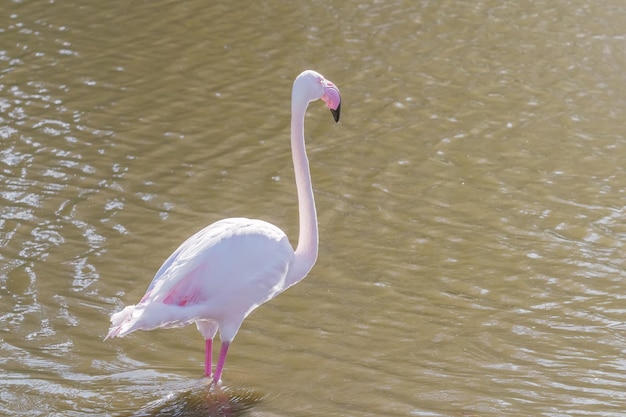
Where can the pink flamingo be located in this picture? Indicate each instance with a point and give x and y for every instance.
(222, 273)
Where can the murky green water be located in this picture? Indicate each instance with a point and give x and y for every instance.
(471, 204)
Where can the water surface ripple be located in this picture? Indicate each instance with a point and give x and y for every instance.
(470, 204)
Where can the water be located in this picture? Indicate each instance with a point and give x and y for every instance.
(470, 204)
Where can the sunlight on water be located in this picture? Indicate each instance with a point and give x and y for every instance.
(470, 204)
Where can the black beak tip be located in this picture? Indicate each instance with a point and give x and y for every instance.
(336, 112)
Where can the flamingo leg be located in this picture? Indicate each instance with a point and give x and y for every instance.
(208, 358)
(220, 363)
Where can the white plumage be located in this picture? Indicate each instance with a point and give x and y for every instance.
(223, 272)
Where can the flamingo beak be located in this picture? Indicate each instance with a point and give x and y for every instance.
(332, 98)
(336, 112)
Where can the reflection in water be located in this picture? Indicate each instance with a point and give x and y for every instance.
(201, 398)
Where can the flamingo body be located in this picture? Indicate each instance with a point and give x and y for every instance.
(252, 256)
(223, 272)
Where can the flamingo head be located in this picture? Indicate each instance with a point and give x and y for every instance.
(317, 87)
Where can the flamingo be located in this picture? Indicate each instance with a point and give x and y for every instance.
(218, 276)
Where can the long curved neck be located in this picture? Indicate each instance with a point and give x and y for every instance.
(306, 251)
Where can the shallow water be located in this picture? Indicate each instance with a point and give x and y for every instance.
(470, 204)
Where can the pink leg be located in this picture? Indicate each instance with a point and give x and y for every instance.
(220, 363)
(207, 358)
